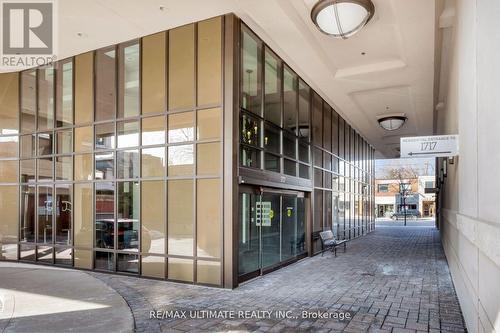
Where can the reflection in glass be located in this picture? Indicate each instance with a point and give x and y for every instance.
(153, 81)
(153, 266)
(27, 252)
(64, 142)
(290, 167)
(128, 263)
(28, 101)
(180, 269)
(8, 146)
(8, 171)
(208, 272)
(181, 127)
(28, 210)
(28, 144)
(128, 105)
(27, 170)
(250, 130)
(327, 127)
(153, 131)
(180, 217)
(104, 215)
(290, 100)
(304, 115)
(290, 242)
(272, 162)
(303, 152)
(82, 206)
(209, 58)
(153, 162)
(105, 136)
(270, 232)
(64, 207)
(44, 254)
(251, 89)
(272, 88)
(64, 256)
(83, 139)
(45, 141)
(272, 139)
(127, 164)
(104, 261)
(128, 216)
(83, 167)
(105, 81)
(209, 124)
(180, 160)
(104, 165)
(153, 217)
(181, 69)
(250, 157)
(304, 171)
(289, 145)
(84, 88)
(317, 120)
(64, 93)
(46, 98)
(45, 212)
(9, 208)
(9, 99)
(128, 134)
(44, 169)
(208, 159)
(64, 168)
(208, 218)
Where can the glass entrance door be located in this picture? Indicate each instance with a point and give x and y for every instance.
(272, 230)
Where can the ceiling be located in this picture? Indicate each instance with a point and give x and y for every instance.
(396, 74)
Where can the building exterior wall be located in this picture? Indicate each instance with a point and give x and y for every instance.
(129, 159)
(469, 218)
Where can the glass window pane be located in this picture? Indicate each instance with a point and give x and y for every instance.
(9, 102)
(290, 100)
(64, 256)
(45, 212)
(272, 88)
(27, 252)
(129, 59)
(44, 169)
(46, 98)
(154, 50)
(84, 88)
(181, 67)
(208, 216)
(28, 101)
(83, 139)
(250, 130)
(180, 269)
(83, 259)
(83, 216)
(335, 133)
(153, 266)
(128, 263)
(28, 168)
(272, 139)
(28, 211)
(104, 261)
(153, 217)
(9, 206)
(64, 168)
(105, 136)
(8, 171)
(290, 168)
(128, 164)
(272, 162)
(64, 206)
(153, 162)
(303, 152)
(209, 124)
(45, 254)
(64, 93)
(104, 215)
(128, 134)
(304, 110)
(210, 61)
(104, 165)
(28, 144)
(208, 272)
(208, 159)
(64, 142)
(8, 251)
(327, 127)
(181, 127)
(45, 142)
(180, 160)
(153, 131)
(83, 167)
(105, 81)
(289, 145)
(317, 120)
(128, 216)
(250, 157)
(251, 75)
(180, 217)
(304, 171)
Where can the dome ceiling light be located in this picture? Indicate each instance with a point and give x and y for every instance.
(342, 18)
(392, 123)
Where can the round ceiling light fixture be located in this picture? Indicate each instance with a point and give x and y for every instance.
(342, 18)
(392, 123)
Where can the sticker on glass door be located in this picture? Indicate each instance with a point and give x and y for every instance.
(264, 213)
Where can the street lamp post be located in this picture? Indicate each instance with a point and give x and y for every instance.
(404, 188)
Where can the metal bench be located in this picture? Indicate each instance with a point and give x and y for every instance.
(329, 242)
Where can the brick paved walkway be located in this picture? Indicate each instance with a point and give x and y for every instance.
(394, 280)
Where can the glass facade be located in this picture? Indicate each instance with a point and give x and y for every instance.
(116, 159)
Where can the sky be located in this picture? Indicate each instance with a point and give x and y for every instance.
(420, 165)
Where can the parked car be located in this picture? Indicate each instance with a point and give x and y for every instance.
(410, 214)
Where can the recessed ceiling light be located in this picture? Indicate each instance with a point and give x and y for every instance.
(342, 18)
(81, 34)
(363, 53)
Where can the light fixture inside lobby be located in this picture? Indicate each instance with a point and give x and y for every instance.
(342, 18)
(392, 123)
